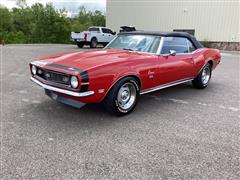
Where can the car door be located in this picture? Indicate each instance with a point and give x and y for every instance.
(107, 34)
(111, 35)
(95, 32)
(175, 67)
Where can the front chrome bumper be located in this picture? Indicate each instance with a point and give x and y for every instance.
(63, 91)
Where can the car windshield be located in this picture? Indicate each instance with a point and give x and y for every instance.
(139, 43)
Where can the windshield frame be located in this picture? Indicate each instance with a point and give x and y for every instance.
(158, 49)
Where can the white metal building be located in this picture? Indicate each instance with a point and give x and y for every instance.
(211, 21)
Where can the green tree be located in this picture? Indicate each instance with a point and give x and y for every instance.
(85, 19)
(5, 23)
(44, 24)
(98, 19)
(50, 26)
(22, 20)
(15, 37)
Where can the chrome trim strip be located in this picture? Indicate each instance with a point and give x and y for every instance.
(191, 53)
(85, 83)
(71, 93)
(166, 85)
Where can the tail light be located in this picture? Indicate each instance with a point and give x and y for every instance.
(85, 36)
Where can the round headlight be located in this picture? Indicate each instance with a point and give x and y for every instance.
(74, 81)
(34, 69)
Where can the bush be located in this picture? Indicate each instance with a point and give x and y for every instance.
(15, 37)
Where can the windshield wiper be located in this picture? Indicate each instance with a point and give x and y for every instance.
(128, 49)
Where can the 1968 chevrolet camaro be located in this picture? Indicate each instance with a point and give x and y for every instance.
(132, 64)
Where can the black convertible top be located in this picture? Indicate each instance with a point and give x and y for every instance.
(166, 34)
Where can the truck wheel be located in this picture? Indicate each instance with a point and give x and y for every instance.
(93, 43)
(122, 98)
(202, 80)
(105, 44)
(80, 44)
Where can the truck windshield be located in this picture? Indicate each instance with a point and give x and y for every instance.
(139, 43)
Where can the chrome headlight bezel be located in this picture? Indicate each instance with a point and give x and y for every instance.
(74, 82)
(34, 69)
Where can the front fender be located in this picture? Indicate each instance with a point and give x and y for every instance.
(118, 77)
(101, 83)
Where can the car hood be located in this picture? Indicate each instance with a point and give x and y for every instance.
(90, 59)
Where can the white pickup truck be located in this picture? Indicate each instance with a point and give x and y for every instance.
(93, 37)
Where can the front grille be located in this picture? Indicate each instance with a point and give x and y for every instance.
(53, 76)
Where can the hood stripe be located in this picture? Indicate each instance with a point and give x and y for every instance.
(84, 76)
(65, 67)
(84, 79)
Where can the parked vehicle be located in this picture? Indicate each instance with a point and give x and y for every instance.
(127, 28)
(134, 63)
(93, 37)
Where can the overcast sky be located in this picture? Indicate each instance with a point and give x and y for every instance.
(70, 5)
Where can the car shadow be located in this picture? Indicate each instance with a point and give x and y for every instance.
(92, 115)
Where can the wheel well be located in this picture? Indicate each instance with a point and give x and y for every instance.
(93, 38)
(136, 78)
(210, 62)
(133, 76)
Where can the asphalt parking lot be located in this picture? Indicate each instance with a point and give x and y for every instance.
(175, 133)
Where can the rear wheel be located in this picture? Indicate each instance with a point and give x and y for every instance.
(80, 44)
(202, 80)
(93, 43)
(123, 97)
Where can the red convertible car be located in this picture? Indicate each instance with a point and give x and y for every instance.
(132, 64)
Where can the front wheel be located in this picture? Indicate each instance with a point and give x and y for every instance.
(202, 80)
(80, 44)
(123, 97)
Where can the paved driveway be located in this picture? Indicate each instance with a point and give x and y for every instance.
(176, 133)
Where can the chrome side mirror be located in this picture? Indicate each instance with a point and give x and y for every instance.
(172, 53)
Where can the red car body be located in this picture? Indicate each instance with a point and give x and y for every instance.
(99, 70)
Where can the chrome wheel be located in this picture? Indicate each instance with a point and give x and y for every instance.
(203, 78)
(206, 74)
(126, 96)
